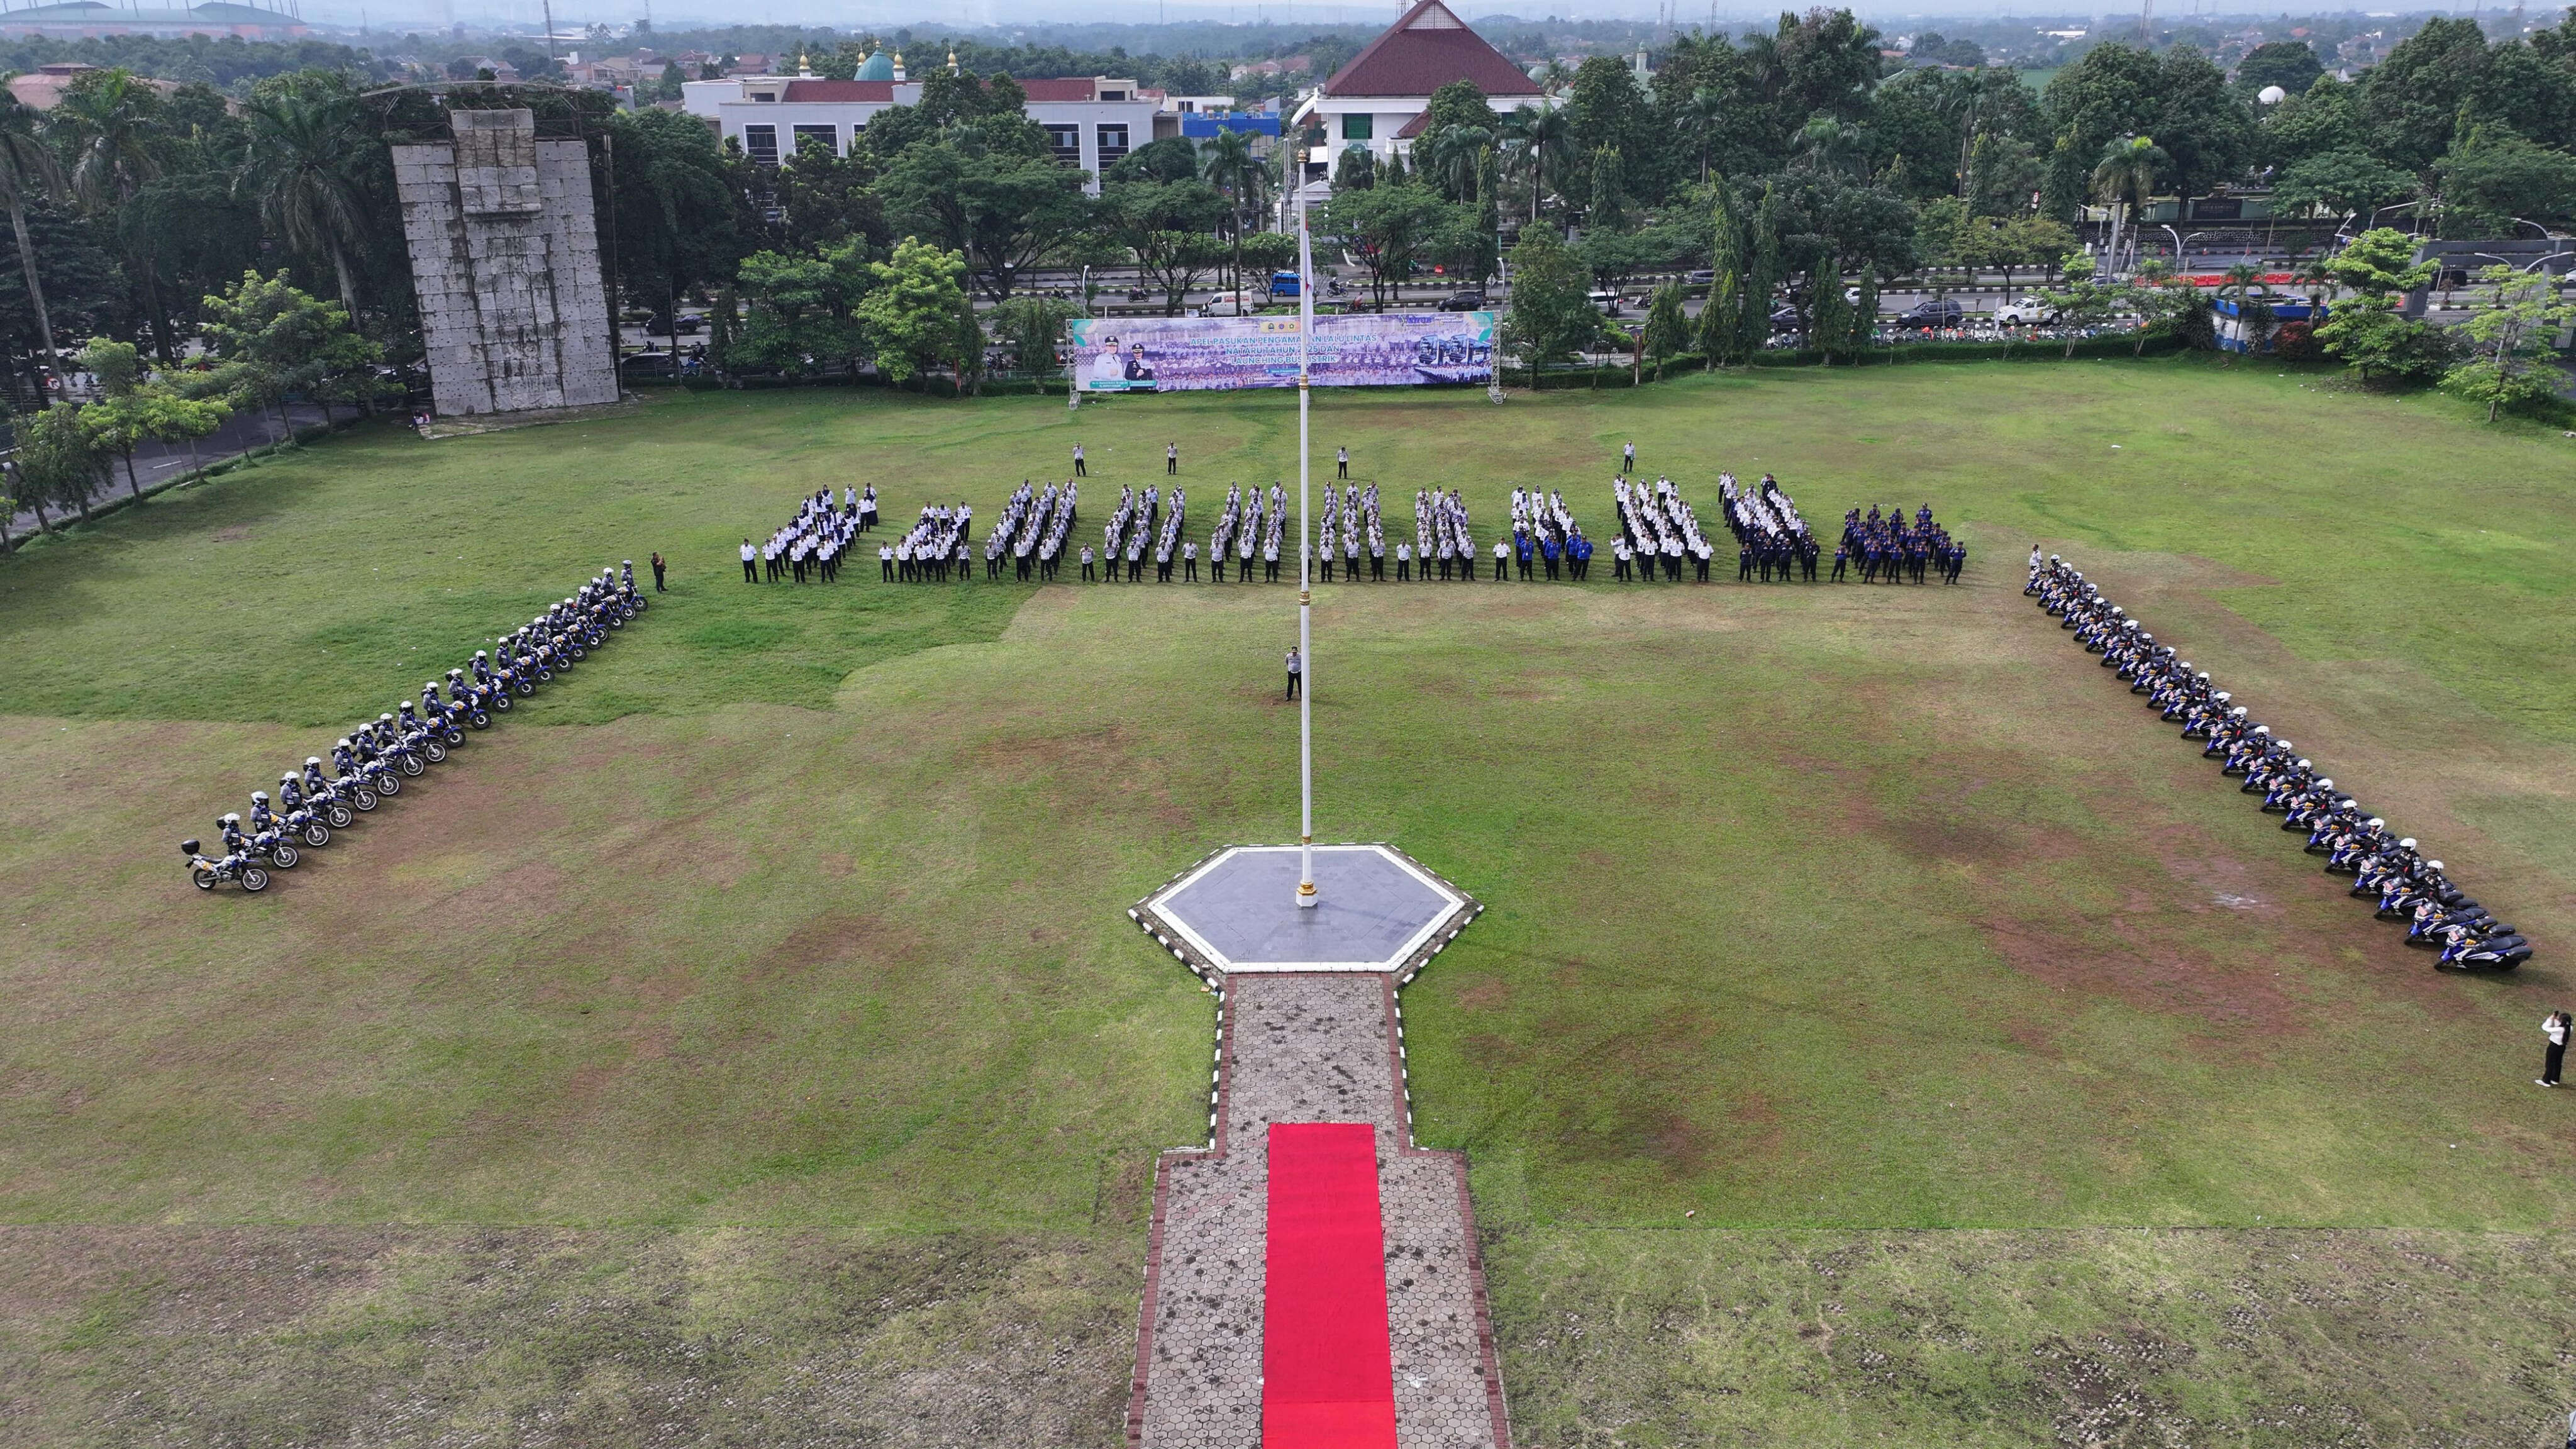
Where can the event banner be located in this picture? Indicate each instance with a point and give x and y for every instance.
(1375, 349)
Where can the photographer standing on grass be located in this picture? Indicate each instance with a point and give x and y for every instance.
(2555, 1028)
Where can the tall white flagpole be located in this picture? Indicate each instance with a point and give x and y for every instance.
(1305, 564)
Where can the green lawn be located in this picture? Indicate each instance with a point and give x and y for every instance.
(794, 923)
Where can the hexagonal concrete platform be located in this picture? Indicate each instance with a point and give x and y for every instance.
(1236, 912)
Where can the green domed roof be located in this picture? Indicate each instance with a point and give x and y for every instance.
(879, 66)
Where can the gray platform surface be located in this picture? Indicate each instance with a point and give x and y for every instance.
(1241, 909)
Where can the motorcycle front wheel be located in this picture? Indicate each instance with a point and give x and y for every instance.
(479, 720)
(254, 879)
(525, 687)
(365, 800)
(456, 737)
(317, 835)
(500, 700)
(392, 783)
(340, 817)
(411, 764)
(284, 856)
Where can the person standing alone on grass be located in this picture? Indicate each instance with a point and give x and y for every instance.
(1079, 470)
(1341, 462)
(1171, 459)
(1627, 459)
(749, 576)
(1296, 667)
(2554, 1028)
(657, 574)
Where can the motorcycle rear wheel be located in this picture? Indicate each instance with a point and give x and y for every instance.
(254, 879)
(205, 879)
(284, 856)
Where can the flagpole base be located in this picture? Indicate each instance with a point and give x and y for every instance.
(1306, 897)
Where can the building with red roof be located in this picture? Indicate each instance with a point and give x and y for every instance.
(1378, 100)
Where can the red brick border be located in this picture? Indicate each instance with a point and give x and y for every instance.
(1162, 1203)
(1489, 1361)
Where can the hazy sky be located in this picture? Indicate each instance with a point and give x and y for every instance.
(676, 14)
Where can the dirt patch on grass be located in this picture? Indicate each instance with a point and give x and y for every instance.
(2143, 968)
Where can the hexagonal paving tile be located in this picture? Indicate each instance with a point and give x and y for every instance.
(1237, 912)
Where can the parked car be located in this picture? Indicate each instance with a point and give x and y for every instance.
(1607, 300)
(1468, 301)
(689, 323)
(1702, 278)
(1933, 312)
(2028, 312)
(1223, 304)
(647, 364)
(1786, 319)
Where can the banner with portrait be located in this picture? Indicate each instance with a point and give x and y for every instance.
(1191, 354)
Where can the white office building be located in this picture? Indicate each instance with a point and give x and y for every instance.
(1091, 122)
(1378, 100)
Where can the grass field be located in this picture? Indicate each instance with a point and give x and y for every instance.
(1881, 1028)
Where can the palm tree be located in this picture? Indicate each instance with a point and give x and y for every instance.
(27, 171)
(1457, 159)
(1828, 143)
(1231, 167)
(112, 124)
(298, 165)
(2125, 176)
(1701, 115)
(1547, 138)
(2240, 280)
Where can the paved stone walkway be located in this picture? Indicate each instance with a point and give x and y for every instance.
(1309, 1048)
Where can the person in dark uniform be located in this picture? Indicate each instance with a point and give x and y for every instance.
(657, 575)
(1296, 671)
(1171, 459)
(1341, 463)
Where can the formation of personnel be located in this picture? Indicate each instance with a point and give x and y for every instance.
(1031, 532)
(1655, 525)
(1543, 532)
(2385, 866)
(810, 546)
(1658, 534)
(1891, 550)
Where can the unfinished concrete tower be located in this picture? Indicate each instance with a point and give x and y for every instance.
(505, 258)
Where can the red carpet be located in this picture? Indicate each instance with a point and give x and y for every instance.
(1327, 1373)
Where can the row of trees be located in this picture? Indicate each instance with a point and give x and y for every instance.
(266, 341)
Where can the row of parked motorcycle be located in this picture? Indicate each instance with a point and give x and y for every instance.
(2385, 867)
(370, 763)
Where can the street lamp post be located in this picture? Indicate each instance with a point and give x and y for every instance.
(1306, 896)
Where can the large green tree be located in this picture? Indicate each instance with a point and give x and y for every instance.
(913, 309)
(1551, 315)
(1169, 227)
(1390, 228)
